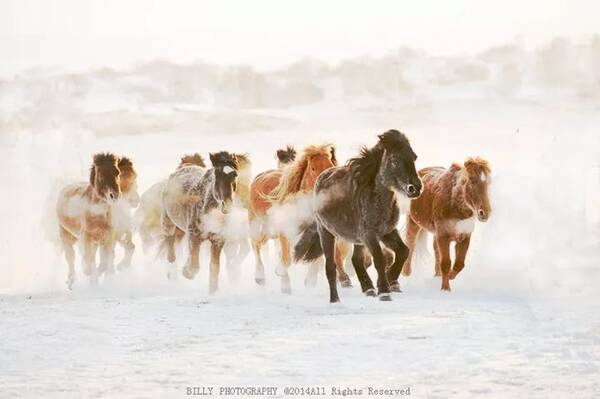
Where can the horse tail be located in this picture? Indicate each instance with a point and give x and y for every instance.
(308, 248)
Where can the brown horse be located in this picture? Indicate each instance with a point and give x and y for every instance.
(147, 215)
(278, 187)
(84, 212)
(447, 207)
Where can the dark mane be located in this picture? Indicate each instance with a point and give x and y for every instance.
(287, 155)
(101, 160)
(364, 167)
(223, 158)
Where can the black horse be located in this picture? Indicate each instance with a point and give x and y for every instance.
(361, 203)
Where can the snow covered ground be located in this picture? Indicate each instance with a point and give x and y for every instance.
(522, 319)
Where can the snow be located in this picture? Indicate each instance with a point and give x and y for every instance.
(522, 317)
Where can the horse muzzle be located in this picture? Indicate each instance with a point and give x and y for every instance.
(482, 215)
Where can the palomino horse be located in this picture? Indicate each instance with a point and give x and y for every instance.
(147, 215)
(194, 201)
(279, 186)
(122, 211)
(447, 208)
(361, 203)
(84, 212)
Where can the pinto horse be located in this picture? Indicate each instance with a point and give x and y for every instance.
(193, 201)
(361, 203)
(451, 200)
(147, 215)
(279, 186)
(85, 212)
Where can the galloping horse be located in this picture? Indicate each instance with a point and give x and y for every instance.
(147, 215)
(279, 186)
(361, 203)
(84, 212)
(191, 201)
(447, 208)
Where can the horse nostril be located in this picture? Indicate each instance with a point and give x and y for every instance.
(111, 196)
(481, 213)
(411, 189)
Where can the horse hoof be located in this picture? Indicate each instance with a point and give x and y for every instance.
(346, 283)
(334, 300)
(370, 292)
(259, 281)
(385, 297)
(395, 287)
(187, 273)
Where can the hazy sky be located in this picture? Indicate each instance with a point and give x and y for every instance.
(77, 34)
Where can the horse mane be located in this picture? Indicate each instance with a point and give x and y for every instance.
(243, 161)
(364, 168)
(291, 179)
(192, 159)
(224, 158)
(286, 155)
(100, 160)
(126, 167)
(477, 165)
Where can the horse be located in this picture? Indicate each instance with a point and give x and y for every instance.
(147, 215)
(276, 187)
(122, 210)
(361, 203)
(194, 201)
(451, 200)
(84, 212)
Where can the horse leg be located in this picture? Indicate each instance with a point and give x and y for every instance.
(215, 264)
(259, 272)
(443, 246)
(359, 261)
(341, 251)
(412, 232)
(231, 256)
(393, 241)
(328, 245)
(438, 270)
(310, 281)
(169, 230)
(383, 286)
(127, 243)
(68, 240)
(193, 263)
(286, 261)
(89, 259)
(107, 258)
(461, 249)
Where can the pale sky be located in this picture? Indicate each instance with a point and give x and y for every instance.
(79, 34)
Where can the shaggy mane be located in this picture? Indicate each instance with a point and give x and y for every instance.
(126, 167)
(102, 160)
(286, 155)
(192, 159)
(292, 178)
(223, 158)
(364, 168)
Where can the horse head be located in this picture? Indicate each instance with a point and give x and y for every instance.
(128, 182)
(225, 167)
(105, 177)
(476, 182)
(316, 159)
(397, 165)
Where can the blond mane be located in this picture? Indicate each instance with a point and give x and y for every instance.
(291, 180)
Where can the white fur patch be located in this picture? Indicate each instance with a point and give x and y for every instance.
(403, 201)
(228, 170)
(483, 177)
(465, 226)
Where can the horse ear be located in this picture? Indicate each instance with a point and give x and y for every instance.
(93, 175)
(333, 158)
(213, 158)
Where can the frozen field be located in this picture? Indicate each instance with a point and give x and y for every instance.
(523, 319)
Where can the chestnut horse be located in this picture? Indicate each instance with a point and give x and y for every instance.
(147, 215)
(279, 186)
(84, 212)
(451, 200)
